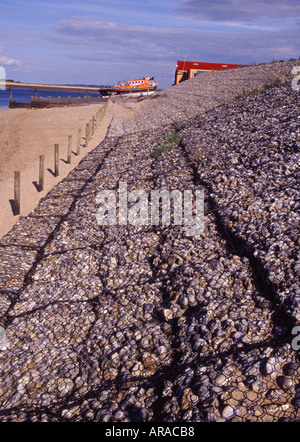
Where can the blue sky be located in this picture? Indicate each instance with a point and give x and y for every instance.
(101, 42)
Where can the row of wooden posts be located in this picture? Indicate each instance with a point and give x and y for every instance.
(89, 132)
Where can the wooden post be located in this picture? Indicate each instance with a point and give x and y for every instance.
(69, 149)
(16, 193)
(87, 134)
(90, 130)
(41, 173)
(56, 160)
(93, 125)
(78, 141)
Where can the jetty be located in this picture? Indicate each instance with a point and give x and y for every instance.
(52, 101)
(104, 93)
(52, 87)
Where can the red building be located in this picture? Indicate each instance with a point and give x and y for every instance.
(188, 69)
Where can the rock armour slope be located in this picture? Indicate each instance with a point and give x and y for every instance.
(142, 323)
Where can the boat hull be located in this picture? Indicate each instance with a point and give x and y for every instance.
(129, 91)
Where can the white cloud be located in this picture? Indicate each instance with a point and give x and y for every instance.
(240, 10)
(6, 61)
(107, 41)
(116, 50)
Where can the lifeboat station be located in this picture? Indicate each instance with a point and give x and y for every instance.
(188, 69)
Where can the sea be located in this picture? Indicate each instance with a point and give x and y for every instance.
(24, 95)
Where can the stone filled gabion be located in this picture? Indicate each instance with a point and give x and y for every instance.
(143, 323)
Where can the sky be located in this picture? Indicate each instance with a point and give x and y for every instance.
(102, 42)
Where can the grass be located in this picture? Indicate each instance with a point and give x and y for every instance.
(185, 125)
(160, 149)
(171, 141)
(246, 93)
(174, 138)
(274, 83)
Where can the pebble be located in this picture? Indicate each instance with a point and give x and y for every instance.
(168, 314)
(220, 380)
(229, 412)
(285, 382)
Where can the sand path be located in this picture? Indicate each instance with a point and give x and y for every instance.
(25, 134)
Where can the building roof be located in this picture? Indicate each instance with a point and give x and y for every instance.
(187, 65)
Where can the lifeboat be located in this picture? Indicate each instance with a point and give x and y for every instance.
(140, 86)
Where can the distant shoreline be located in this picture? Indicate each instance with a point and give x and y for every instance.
(25, 95)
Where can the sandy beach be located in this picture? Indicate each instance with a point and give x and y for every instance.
(26, 134)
